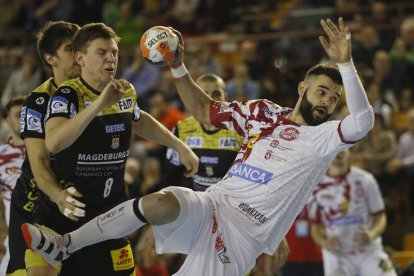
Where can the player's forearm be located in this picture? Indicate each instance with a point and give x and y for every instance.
(361, 115)
(149, 128)
(40, 164)
(378, 225)
(194, 98)
(61, 132)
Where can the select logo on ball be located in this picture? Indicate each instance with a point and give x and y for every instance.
(159, 45)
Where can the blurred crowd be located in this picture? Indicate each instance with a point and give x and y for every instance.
(261, 50)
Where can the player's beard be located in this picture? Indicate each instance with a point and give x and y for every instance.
(306, 110)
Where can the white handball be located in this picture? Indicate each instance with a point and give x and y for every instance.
(159, 45)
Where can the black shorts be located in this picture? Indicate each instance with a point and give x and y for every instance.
(109, 258)
(23, 202)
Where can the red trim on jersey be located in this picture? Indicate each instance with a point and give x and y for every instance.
(217, 117)
(378, 212)
(342, 137)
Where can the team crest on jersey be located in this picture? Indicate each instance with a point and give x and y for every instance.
(209, 170)
(125, 104)
(59, 105)
(274, 143)
(40, 100)
(289, 134)
(268, 154)
(115, 142)
(13, 170)
(34, 120)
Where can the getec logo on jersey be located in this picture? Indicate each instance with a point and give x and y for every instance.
(250, 173)
(125, 104)
(34, 120)
(59, 105)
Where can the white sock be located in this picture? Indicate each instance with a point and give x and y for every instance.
(114, 224)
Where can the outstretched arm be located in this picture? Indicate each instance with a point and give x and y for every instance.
(149, 128)
(194, 98)
(361, 117)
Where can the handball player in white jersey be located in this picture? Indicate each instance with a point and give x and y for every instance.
(348, 218)
(284, 153)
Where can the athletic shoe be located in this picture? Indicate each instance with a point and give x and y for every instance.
(47, 242)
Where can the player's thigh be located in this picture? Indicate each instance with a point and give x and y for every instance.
(221, 249)
(377, 263)
(180, 235)
(337, 264)
(109, 258)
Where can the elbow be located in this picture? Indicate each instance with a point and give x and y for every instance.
(53, 145)
(365, 121)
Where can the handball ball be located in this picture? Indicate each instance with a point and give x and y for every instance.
(159, 45)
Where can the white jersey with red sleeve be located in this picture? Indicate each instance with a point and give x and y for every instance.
(11, 160)
(343, 204)
(276, 169)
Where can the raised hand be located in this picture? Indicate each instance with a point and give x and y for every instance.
(338, 45)
(178, 60)
(113, 92)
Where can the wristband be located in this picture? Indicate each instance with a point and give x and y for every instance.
(346, 67)
(179, 72)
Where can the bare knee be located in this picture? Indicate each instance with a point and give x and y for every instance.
(160, 208)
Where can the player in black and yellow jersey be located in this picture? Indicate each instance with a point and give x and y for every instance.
(89, 124)
(216, 148)
(55, 50)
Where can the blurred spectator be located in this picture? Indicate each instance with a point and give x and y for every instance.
(363, 51)
(379, 104)
(250, 55)
(305, 256)
(387, 75)
(400, 121)
(148, 263)
(8, 13)
(381, 18)
(143, 76)
(204, 61)
(150, 181)
(242, 87)
(164, 112)
(111, 12)
(131, 178)
(24, 79)
(183, 15)
(129, 26)
(402, 52)
(402, 165)
(374, 151)
(87, 11)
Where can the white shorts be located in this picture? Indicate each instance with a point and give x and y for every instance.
(214, 245)
(374, 262)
